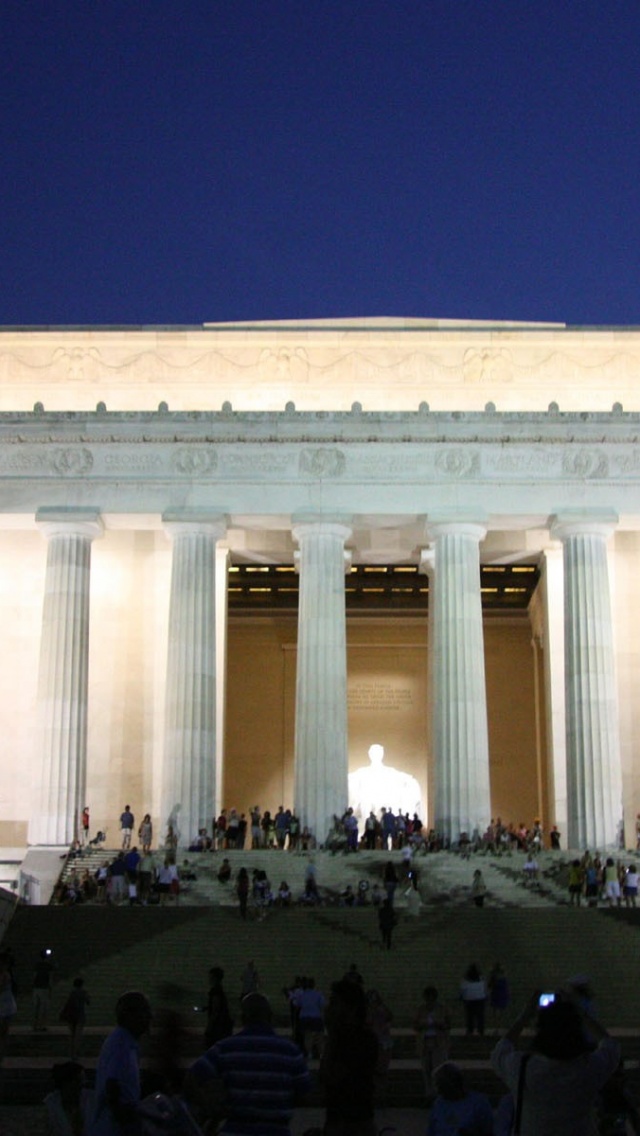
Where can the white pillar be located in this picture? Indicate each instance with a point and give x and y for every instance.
(462, 790)
(553, 594)
(63, 675)
(189, 772)
(321, 755)
(594, 778)
(427, 566)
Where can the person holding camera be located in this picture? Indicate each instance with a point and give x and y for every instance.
(556, 1083)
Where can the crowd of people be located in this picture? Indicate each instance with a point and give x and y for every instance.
(594, 879)
(250, 1076)
(387, 830)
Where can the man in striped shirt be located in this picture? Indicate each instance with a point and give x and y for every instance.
(252, 1079)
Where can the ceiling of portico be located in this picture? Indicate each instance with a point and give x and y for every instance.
(379, 541)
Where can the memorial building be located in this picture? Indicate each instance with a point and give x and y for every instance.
(236, 557)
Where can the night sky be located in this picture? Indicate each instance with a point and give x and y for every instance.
(189, 161)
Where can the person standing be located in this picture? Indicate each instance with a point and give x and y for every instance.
(499, 996)
(349, 1063)
(117, 1093)
(432, 1027)
(145, 834)
(473, 992)
(564, 1072)
(42, 990)
(126, 826)
(253, 1079)
(386, 922)
(85, 824)
(242, 891)
(74, 1015)
(478, 888)
(219, 1021)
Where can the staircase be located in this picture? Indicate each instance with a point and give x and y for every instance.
(540, 940)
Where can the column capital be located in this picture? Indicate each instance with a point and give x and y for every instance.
(453, 527)
(180, 522)
(591, 522)
(70, 522)
(307, 524)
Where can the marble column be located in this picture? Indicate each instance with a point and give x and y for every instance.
(321, 757)
(552, 587)
(462, 790)
(594, 778)
(190, 756)
(63, 675)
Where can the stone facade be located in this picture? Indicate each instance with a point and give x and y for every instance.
(144, 461)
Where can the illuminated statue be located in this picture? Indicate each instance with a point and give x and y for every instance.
(376, 786)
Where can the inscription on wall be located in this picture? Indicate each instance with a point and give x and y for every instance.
(377, 694)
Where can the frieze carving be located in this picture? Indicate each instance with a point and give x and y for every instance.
(319, 363)
(585, 463)
(526, 462)
(195, 462)
(234, 464)
(72, 462)
(328, 462)
(458, 462)
(491, 366)
(134, 461)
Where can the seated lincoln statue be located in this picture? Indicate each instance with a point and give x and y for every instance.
(377, 786)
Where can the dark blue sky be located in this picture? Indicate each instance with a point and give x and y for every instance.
(188, 161)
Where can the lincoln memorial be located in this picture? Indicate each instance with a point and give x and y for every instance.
(234, 557)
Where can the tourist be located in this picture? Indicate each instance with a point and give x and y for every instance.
(499, 995)
(284, 897)
(220, 829)
(530, 869)
(631, 886)
(310, 1003)
(146, 876)
(478, 889)
(85, 823)
(70, 1105)
(564, 1073)
(254, 1077)
(74, 1015)
(390, 880)
(379, 1019)
(101, 878)
(42, 989)
(242, 891)
(473, 992)
(117, 878)
(219, 1020)
(576, 880)
(554, 839)
(166, 877)
(386, 922)
(145, 834)
(456, 1108)
(224, 871)
(432, 1026)
(126, 826)
(117, 1092)
(256, 829)
(611, 882)
(349, 1064)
